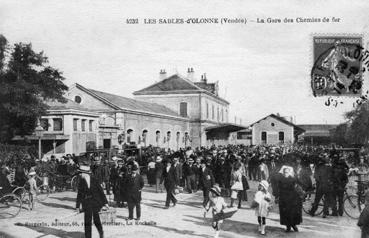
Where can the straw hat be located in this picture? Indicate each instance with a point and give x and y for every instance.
(32, 172)
(158, 159)
(264, 184)
(216, 189)
(84, 169)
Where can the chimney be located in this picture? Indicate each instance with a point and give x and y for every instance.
(162, 74)
(203, 78)
(190, 74)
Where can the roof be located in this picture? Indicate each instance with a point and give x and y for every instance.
(175, 84)
(172, 83)
(56, 105)
(318, 127)
(227, 127)
(317, 130)
(281, 119)
(130, 104)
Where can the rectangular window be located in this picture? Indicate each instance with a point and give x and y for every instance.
(218, 113)
(83, 125)
(90, 125)
(222, 115)
(207, 110)
(183, 109)
(58, 124)
(212, 112)
(281, 136)
(44, 123)
(75, 124)
(264, 137)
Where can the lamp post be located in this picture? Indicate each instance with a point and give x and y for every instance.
(39, 131)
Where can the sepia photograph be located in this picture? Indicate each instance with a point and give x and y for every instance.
(137, 118)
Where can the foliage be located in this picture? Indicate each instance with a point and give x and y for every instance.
(339, 134)
(26, 82)
(12, 155)
(358, 121)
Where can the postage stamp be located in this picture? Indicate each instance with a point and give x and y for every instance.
(337, 69)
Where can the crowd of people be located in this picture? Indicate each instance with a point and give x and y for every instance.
(290, 171)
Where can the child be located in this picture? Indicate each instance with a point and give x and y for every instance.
(261, 204)
(218, 204)
(363, 222)
(32, 187)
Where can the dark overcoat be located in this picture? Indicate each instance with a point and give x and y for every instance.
(92, 197)
(133, 189)
(170, 178)
(290, 204)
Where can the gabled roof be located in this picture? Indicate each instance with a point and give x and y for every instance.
(119, 102)
(281, 119)
(172, 83)
(175, 84)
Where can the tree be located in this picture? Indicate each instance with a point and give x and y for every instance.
(26, 83)
(339, 134)
(358, 131)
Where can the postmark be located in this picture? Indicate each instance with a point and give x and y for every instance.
(337, 69)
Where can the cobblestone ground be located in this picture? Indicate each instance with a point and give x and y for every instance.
(184, 220)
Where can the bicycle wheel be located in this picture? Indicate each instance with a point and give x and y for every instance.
(352, 206)
(20, 192)
(74, 183)
(10, 206)
(43, 193)
(308, 204)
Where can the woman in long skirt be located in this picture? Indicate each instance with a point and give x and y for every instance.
(290, 204)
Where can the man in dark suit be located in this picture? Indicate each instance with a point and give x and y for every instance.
(135, 183)
(189, 170)
(92, 197)
(170, 181)
(206, 181)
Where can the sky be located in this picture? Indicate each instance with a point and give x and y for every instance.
(261, 68)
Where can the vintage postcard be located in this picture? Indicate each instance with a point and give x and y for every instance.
(213, 118)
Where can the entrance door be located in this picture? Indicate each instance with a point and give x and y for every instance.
(107, 143)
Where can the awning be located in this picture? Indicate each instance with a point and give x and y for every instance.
(44, 137)
(224, 128)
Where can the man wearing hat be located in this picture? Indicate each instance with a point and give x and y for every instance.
(189, 170)
(159, 174)
(206, 181)
(91, 196)
(135, 183)
(324, 185)
(170, 181)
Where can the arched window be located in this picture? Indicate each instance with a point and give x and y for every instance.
(129, 135)
(144, 136)
(183, 109)
(157, 137)
(168, 136)
(178, 136)
(186, 139)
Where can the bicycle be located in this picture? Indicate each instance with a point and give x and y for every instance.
(10, 205)
(42, 193)
(74, 182)
(354, 204)
(309, 201)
